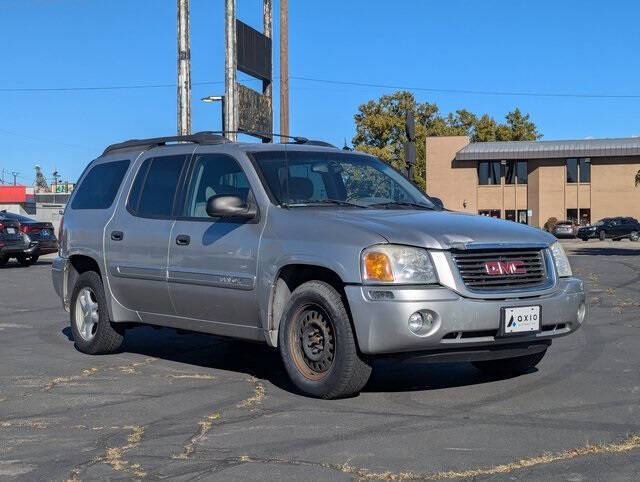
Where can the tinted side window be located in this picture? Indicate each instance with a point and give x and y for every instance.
(100, 186)
(214, 174)
(154, 188)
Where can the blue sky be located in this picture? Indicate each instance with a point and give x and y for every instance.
(525, 46)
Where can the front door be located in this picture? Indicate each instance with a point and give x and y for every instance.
(213, 261)
(137, 238)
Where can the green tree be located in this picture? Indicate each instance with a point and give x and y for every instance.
(380, 128)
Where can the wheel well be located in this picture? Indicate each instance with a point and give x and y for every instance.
(292, 276)
(83, 263)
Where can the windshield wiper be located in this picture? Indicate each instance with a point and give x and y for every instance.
(336, 202)
(408, 204)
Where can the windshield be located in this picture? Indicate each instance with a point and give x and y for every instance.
(599, 223)
(339, 178)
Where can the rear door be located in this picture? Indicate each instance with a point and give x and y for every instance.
(137, 237)
(212, 261)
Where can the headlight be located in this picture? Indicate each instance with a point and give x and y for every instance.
(388, 263)
(560, 259)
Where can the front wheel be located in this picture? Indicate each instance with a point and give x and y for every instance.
(510, 366)
(92, 329)
(317, 344)
(602, 236)
(3, 260)
(585, 239)
(634, 236)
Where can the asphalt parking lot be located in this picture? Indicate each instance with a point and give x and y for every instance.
(199, 407)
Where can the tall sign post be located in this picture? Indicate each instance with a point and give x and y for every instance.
(184, 70)
(284, 67)
(248, 51)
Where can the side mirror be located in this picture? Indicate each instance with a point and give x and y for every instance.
(437, 201)
(223, 206)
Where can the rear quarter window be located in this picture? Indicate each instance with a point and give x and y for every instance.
(99, 187)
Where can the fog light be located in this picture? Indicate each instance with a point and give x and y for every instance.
(582, 311)
(416, 322)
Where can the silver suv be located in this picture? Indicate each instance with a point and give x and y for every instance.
(330, 256)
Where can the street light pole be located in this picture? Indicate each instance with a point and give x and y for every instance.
(217, 98)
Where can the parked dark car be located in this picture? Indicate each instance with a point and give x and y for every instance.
(40, 236)
(612, 228)
(564, 229)
(12, 242)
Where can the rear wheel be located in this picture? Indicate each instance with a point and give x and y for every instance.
(602, 235)
(317, 344)
(3, 260)
(92, 329)
(585, 239)
(510, 366)
(25, 260)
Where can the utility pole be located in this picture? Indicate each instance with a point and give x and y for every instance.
(230, 64)
(267, 27)
(284, 69)
(184, 70)
(14, 174)
(2, 177)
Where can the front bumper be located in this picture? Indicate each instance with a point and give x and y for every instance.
(59, 278)
(381, 324)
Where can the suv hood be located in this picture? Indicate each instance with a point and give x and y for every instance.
(440, 229)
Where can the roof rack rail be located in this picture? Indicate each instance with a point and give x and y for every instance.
(294, 139)
(204, 137)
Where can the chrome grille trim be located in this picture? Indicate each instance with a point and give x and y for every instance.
(472, 270)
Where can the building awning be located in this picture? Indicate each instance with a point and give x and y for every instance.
(479, 151)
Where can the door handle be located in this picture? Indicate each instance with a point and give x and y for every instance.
(117, 235)
(183, 239)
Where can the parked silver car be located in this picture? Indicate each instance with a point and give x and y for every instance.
(331, 256)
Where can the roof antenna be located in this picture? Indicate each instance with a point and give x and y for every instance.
(346, 147)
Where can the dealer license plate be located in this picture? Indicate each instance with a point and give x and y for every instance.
(11, 230)
(523, 319)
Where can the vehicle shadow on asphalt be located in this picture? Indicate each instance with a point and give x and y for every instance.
(260, 361)
(586, 251)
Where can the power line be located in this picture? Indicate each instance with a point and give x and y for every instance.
(469, 91)
(579, 95)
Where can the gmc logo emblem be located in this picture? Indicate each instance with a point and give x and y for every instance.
(505, 267)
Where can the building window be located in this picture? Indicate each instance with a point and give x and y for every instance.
(493, 213)
(585, 217)
(510, 214)
(572, 171)
(585, 169)
(579, 170)
(523, 216)
(572, 215)
(489, 173)
(516, 172)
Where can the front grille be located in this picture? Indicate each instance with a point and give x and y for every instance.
(472, 266)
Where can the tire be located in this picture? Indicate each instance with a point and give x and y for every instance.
(24, 260)
(510, 366)
(330, 366)
(634, 236)
(585, 239)
(602, 235)
(3, 261)
(94, 333)
(34, 259)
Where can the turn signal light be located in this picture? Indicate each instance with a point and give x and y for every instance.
(377, 267)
